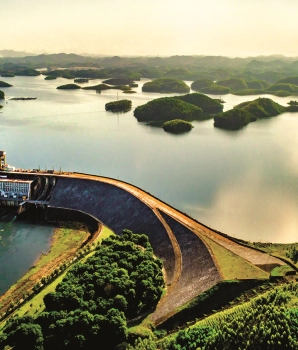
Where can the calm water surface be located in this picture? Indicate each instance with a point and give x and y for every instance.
(243, 183)
(20, 245)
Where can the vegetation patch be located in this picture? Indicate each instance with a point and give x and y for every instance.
(233, 84)
(2, 95)
(233, 119)
(166, 85)
(81, 80)
(7, 74)
(118, 81)
(69, 87)
(215, 89)
(119, 106)
(50, 77)
(206, 103)
(120, 281)
(201, 83)
(262, 108)
(233, 266)
(282, 87)
(250, 92)
(268, 321)
(4, 84)
(167, 108)
(177, 126)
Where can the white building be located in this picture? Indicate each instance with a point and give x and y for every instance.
(15, 189)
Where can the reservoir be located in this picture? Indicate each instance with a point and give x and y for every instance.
(243, 183)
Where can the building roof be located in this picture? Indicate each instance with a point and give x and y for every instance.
(16, 181)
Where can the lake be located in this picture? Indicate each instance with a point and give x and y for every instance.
(243, 183)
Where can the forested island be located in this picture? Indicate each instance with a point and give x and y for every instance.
(69, 87)
(2, 95)
(118, 106)
(4, 84)
(166, 85)
(167, 108)
(177, 126)
(247, 112)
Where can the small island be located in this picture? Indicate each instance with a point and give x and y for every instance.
(4, 84)
(69, 87)
(206, 103)
(81, 80)
(163, 85)
(247, 112)
(22, 98)
(118, 81)
(167, 108)
(50, 77)
(7, 75)
(118, 106)
(177, 126)
(2, 95)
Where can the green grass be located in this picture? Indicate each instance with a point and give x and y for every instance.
(276, 249)
(35, 305)
(233, 266)
(280, 271)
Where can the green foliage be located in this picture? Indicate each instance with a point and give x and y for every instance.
(280, 93)
(283, 86)
(50, 77)
(166, 85)
(233, 119)
(177, 126)
(118, 106)
(206, 103)
(97, 87)
(215, 89)
(233, 84)
(121, 280)
(262, 107)
(201, 83)
(62, 73)
(81, 80)
(68, 87)
(28, 72)
(293, 254)
(250, 92)
(7, 74)
(257, 84)
(2, 95)
(167, 108)
(4, 84)
(288, 80)
(263, 323)
(118, 81)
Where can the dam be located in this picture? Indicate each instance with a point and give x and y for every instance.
(188, 248)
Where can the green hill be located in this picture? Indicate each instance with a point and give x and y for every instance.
(167, 108)
(166, 85)
(283, 86)
(288, 80)
(257, 84)
(247, 112)
(201, 83)
(206, 103)
(233, 119)
(215, 89)
(68, 87)
(118, 106)
(4, 84)
(262, 108)
(233, 84)
(177, 126)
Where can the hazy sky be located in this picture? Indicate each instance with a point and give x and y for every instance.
(151, 27)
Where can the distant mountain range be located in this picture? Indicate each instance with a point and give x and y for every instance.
(12, 53)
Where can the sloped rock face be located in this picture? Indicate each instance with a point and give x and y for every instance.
(117, 209)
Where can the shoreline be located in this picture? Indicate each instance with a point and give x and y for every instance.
(67, 237)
